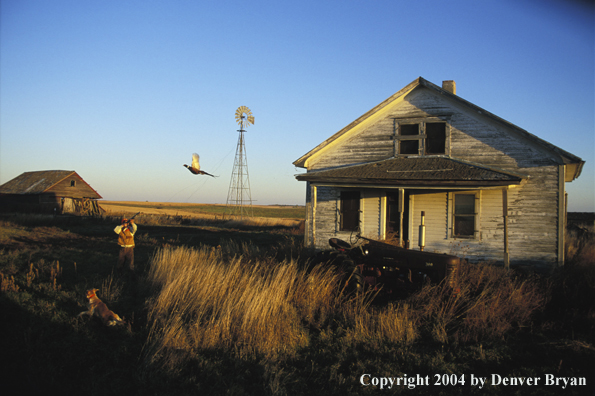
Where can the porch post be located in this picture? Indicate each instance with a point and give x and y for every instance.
(401, 209)
(505, 218)
(314, 199)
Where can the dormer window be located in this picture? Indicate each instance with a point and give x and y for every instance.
(420, 137)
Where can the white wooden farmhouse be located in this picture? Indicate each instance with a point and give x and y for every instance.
(485, 186)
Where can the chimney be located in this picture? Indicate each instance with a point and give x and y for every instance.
(450, 86)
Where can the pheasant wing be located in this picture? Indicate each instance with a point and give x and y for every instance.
(195, 163)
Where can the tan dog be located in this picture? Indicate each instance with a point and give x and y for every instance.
(99, 309)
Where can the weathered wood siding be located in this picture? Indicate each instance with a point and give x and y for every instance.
(327, 216)
(434, 206)
(79, 190)
(532, 207)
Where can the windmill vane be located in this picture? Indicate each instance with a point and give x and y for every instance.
(244, 117)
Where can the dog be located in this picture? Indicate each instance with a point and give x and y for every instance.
(99, 309)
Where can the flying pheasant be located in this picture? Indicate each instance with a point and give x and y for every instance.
(195, 168)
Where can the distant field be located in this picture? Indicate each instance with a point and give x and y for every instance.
(200, 210)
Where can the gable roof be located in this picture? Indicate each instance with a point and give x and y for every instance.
(378, 111)
(420, 171)
(40, 182)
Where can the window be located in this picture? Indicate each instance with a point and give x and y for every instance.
(72, 183)
(464, 215)
(435, 138)
(421, 138)
(349, 211)
(409, 139)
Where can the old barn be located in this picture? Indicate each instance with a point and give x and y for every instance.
(54, 191)
(481, 186)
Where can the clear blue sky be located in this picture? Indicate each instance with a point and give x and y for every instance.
(123, 92)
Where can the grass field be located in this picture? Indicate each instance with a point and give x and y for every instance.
(202, 210)
(222, 308)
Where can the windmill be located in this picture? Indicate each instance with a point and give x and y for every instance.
(239, 199)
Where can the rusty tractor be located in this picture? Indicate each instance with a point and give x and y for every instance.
(394, 270)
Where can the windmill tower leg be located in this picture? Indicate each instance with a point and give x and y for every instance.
(239, 197)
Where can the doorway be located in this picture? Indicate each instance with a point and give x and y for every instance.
(397, 216)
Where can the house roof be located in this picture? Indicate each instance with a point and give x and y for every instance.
(567, 158)
(39, 182)
(417, 171)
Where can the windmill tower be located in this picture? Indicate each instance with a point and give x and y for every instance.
(239, 199)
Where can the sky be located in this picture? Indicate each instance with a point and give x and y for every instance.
(123, 92)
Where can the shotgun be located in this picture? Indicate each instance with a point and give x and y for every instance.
(128, 222)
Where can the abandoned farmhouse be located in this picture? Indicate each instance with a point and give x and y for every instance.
(53, 191)
(481, 186)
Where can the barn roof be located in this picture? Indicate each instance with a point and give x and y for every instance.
(565, 157)
(421, 171)
(39, 182)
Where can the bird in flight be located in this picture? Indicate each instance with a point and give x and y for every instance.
(195, 167)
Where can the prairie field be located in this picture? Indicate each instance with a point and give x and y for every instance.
(205, 211)
(222, 306)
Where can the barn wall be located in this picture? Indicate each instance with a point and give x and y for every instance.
(80, 189)
(30, 203)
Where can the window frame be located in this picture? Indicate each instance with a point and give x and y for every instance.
(421, 137)
(476, 214)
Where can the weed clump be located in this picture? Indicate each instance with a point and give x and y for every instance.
(491, 302)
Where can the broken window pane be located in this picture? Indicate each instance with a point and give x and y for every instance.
(435, 138)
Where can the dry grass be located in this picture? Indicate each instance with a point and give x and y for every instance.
(206, 300)
(216, 299)
(490, 303)
(237, 298)
(580, 248)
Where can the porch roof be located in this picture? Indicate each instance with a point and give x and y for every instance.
(419, 171)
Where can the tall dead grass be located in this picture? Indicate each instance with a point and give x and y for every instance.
(215, 299)
(579, 249)
(208, 301)
(490, 303)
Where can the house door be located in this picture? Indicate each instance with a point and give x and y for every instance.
(397, 210)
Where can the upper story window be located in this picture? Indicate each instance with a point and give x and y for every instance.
(420, 137)
(73, 183)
